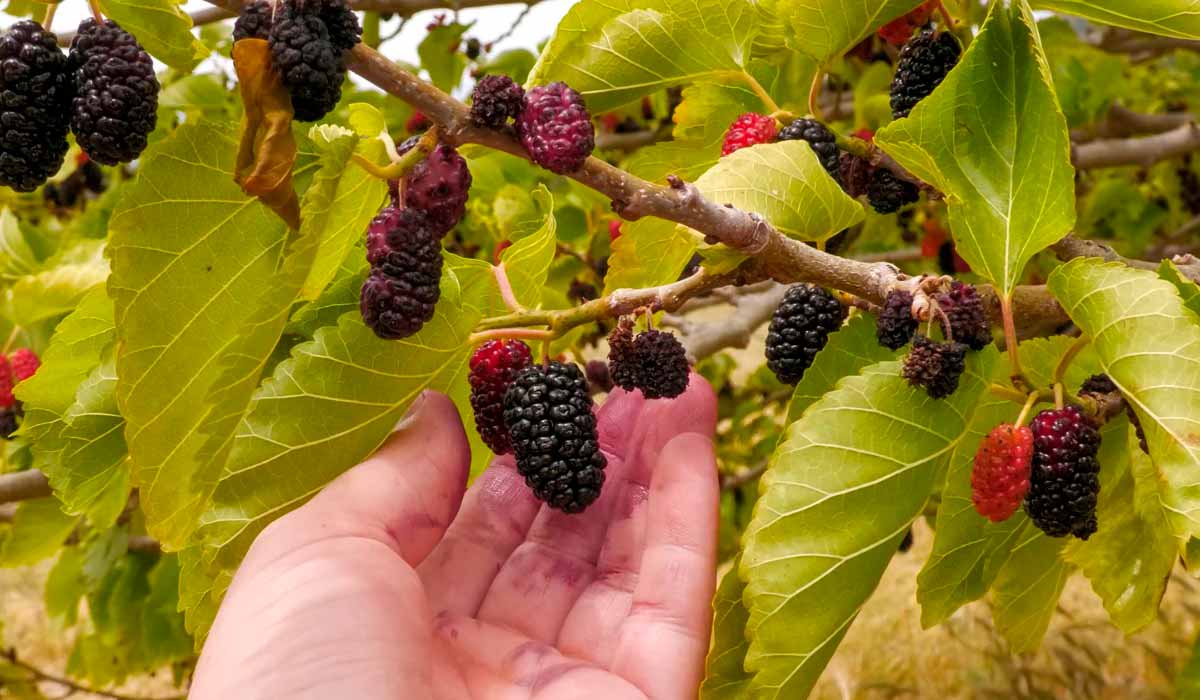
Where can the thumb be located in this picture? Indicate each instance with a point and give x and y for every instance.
(404, 495)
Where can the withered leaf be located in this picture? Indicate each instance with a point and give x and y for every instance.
(267, 150)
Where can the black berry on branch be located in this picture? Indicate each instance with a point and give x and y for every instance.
(309, 64)
(963, 307)
(1000, 478)
(662, 366)
(935, 367)
(438, 186)
(800, 328)
(750, 129)
(35, 101)
(854, 173)
(895, 326)
(1099, 384)
(822, 140)
(495, 100)
(400, 293)
(494, 366)
(344, 30)
(556, 129)
(254, 21)
(1064, 483)
(548, 411)
(923, 64)
(116, 93)
(888, 193)
(622, 359)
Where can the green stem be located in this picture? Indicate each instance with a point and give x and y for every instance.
(509, 333)
(370, 29)
(759, 90)
(1069, 356)
(1030, 402)
(854, 146)
(405, 163)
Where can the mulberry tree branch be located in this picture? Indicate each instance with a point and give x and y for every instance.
(23, 486)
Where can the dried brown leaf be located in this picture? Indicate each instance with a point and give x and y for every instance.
(267, 150)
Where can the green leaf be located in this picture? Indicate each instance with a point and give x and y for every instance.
(65, 586)
(669, 246)
(187, 290)
(849, 351)
(339, 205)
(968, 550)
(439, 58)
(1188, 290)
(16, 257)
(323, 411)
(707, 110)
(615, 51)
(340, 297)
(57, 290)
(994, 140)
(161, 27)
(785, 184)
(825, 29)
(1148, 342)
(527, 261)
(1028, 587)
(1129, 558)
(724, 677)
(839, 495)
(38, 529)
(1175, 18)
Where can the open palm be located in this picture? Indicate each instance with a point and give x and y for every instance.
(391, 583)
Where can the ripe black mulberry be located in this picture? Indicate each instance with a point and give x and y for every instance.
(888, 194)
(309, 64)
(1064, 483)
(254, 21)
(116, 93)
(963, 307)
(799, 330)
(496, 99)
(35, 101)
(895, 326)
(923, 64)
(662, 366)
(935, 367)
(402, 289)
(622, 358)
(548, 411)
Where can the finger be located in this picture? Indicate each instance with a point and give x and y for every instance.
(404, 495)
(668, 623)
(495, 517)
(537, 585)
(592, 629)
(499, 663)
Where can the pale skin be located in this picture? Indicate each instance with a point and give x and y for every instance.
(397, 581)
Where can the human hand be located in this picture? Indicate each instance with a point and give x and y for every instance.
(391, 583)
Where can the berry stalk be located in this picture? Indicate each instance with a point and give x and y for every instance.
(1016, 373)
(402, 165)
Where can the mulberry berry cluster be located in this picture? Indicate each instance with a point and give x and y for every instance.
(935, 366)
(308, 41)
(548, 412)
(654, 362)
(552, 120)
(800, 328)
(14, 369)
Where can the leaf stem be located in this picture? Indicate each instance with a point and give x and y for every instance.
(854, 146)
(1069, 356)
(405, 163)
(12, 338)
(48, 19)
(1016, 374)
(506, 290)
(94, 6)
(946, 17)
(762, 93)
(1007, 393)
(509, 333)
(1058, 395)
(814, 95)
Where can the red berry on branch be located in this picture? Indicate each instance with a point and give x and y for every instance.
(6, 384)
(493, 367)
(24, 363)
(1000, 478)
(750, 129)
(614, 230)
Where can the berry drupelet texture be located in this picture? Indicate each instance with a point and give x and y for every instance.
(662, 366)
(548, 411)
(822, 140)
(24, 363)
(1000, 478)
(556, 129)
(495, 100)
(1064, 483)
(116, 93)
(935, 367)
(254, 21)
(35, 106)
(7, 381)
(750, 129)
(438, 186)
(400, 293)
(344, 30)
(622, 357)
(895, 326)
(923, 64)
(963, 307)
(309, 64)
(888, 194)
(799, 330)
(494, 366)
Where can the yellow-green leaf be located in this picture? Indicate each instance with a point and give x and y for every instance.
(725, 678)
(1175, 18)
(527, 261)
(1148, 342)
(1028, 587)
(786, 185)
(839, 495)
(993, 139)
(824, 29)
(38, 529)
(162, 28)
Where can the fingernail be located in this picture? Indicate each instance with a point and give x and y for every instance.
(413, 413)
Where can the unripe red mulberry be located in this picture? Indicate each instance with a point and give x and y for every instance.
(750, 129)
(439, 186)
(493, 367)
(555, 128)
(1064, 483)
(7, 381)
(24, 363)
(1000, 478)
